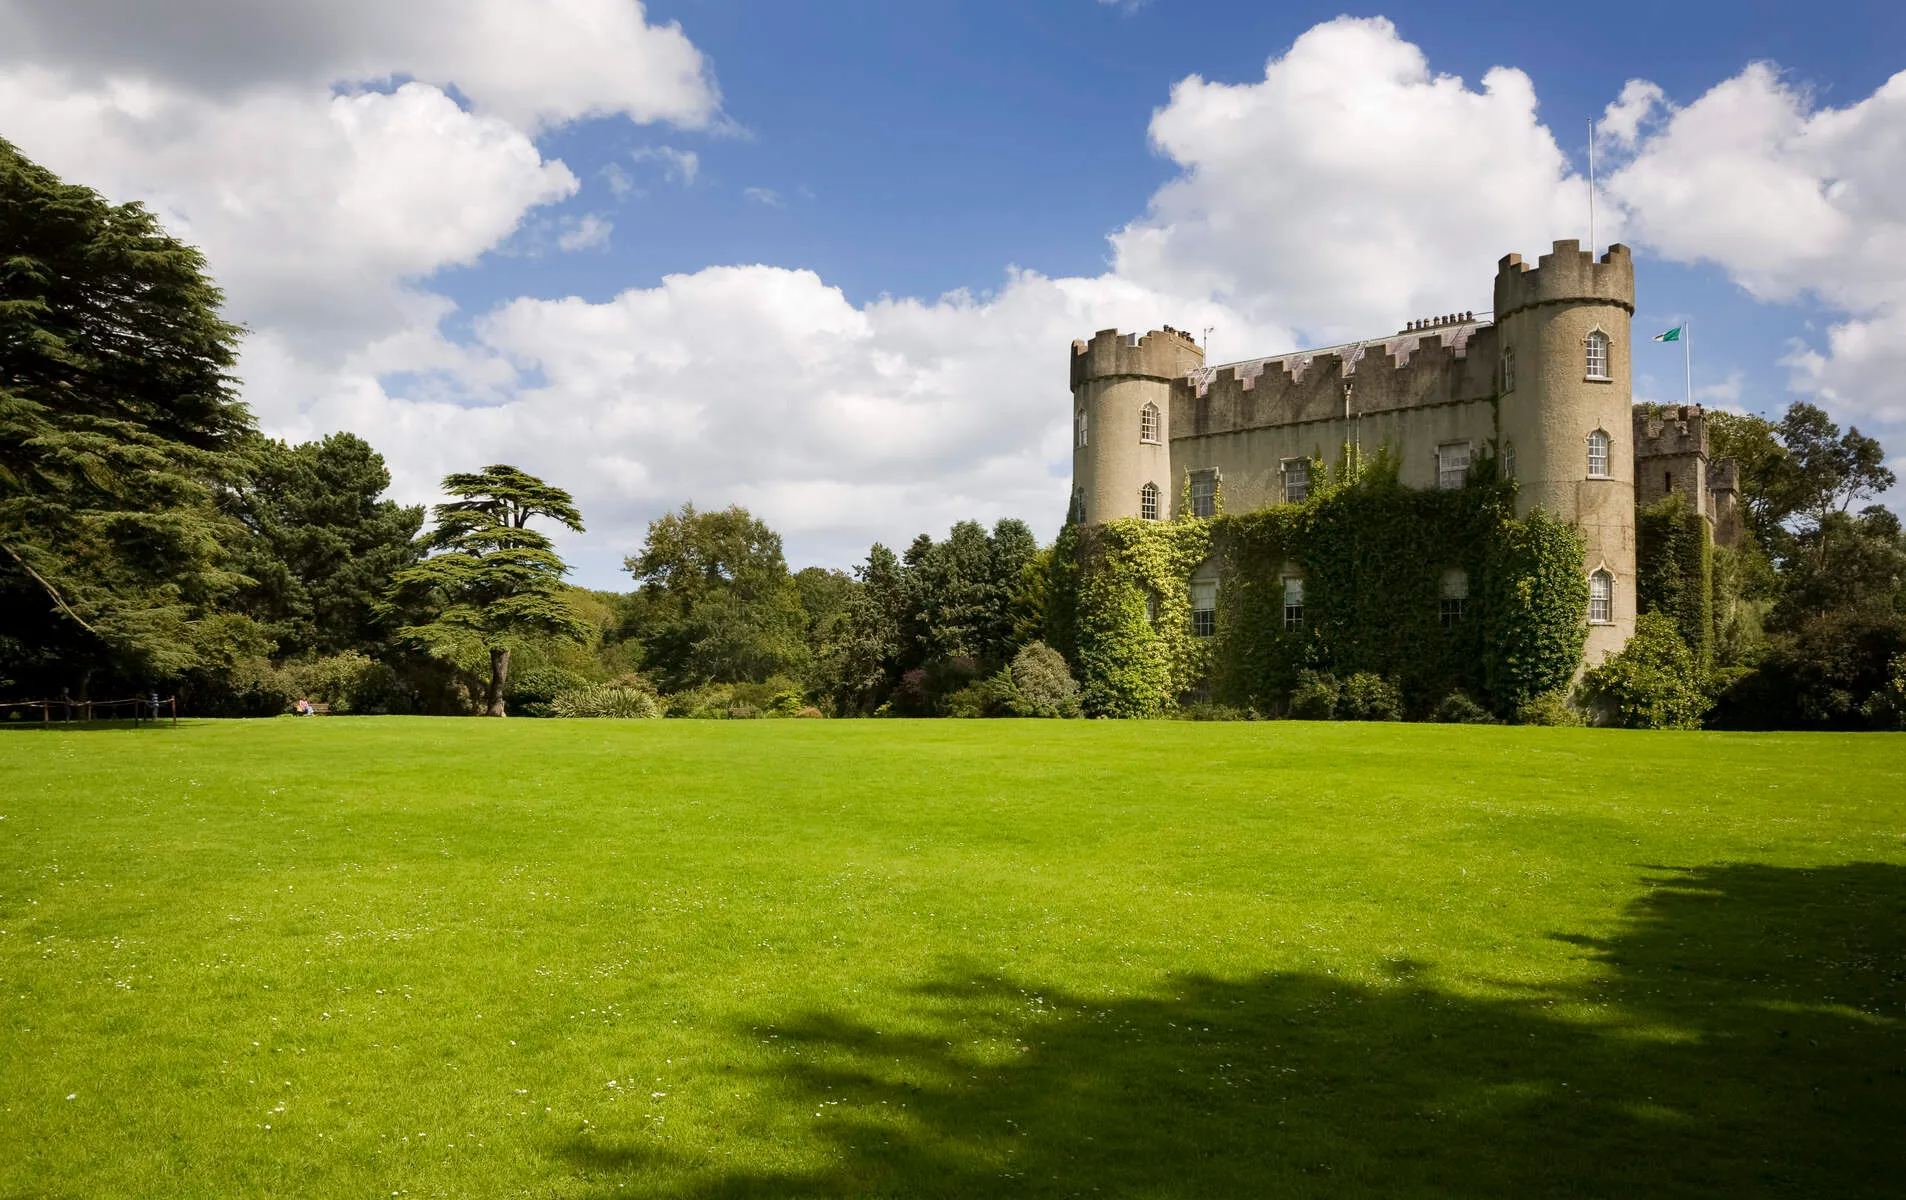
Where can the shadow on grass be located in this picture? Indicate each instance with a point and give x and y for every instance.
(1744, 1037)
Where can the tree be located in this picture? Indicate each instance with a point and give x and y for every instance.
(117, 422)
(491, 576)
(717, 603)
(325, 544)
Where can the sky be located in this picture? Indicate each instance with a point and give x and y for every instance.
(826, 259)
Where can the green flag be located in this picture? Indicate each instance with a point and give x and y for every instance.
(1673, 335)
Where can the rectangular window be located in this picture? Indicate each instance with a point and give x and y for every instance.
(1078, 427)
(1597, 355)
(1296, 479)
(1509, 370)
(1601, 598)
(1454, 599)
(1450, 611)
(1452, 466)
(1509, 462)
(1293, 605)
(1204, 607)
(1204, 493)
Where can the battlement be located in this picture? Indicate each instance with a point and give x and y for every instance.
(1678, 430)
(1435, 363)
(1567, 274)
(1161, 354)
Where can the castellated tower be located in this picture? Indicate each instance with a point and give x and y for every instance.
(1121, 421)
(1565, 404)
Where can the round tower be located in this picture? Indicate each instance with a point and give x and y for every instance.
(1567, 399)
(1121, 422)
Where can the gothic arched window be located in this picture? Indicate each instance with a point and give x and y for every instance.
(1148, 424)
(1597, 355)
(1078, 429)
(1148, 502)
(1598, 455)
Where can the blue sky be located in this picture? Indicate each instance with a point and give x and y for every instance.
(704, 250)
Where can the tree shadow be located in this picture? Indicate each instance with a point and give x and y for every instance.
(1745, 1035)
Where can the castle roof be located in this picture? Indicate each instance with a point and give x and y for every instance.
(1452, 331)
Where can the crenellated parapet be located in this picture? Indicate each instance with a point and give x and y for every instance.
(1161, 354)
(1566, 275)
(1669, 432)
(1422, 365)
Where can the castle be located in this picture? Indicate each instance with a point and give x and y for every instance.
(1542, 386)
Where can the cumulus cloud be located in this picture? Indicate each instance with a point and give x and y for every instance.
(1351, 188)
(1792, 200)
(531, 62)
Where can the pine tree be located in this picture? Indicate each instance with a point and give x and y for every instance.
(117, 423)
(491, 575)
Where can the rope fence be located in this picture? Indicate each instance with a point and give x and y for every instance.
(143, 708)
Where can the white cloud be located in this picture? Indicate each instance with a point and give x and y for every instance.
(1350, 189)
(1792, 200)
(531, 62)
(678, 166)
(590, 232)
(767, 196)
(1621, 120)
(314, 210)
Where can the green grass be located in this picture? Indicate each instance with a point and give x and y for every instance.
(590, 959)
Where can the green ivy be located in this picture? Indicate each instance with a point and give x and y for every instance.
(1131, 633)
(1372, 555)
(1674, 570)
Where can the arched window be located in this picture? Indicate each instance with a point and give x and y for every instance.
(1148, 502)
(1148, 424)
(1601, 598)
(1078, 429)
(1597, 355)
(1598, 455)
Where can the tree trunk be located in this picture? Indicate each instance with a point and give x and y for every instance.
(499, 675)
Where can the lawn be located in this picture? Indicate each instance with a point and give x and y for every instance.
(414, 957)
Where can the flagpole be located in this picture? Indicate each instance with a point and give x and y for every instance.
(1591, 185)
(1687, 355)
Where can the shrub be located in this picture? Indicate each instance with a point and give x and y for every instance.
(743, 712)
(1368, 697)
(1315, 697)
(1654, 683)
(531, 691)
(1043, 683)
(1205, 710)
(1547, 708)
(605, 700)
(810, 713)
(1886, 706)
(1458, 709)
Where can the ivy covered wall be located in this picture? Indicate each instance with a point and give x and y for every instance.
(1674, 569)
(1373, 556)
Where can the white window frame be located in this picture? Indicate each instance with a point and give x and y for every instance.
(1508, 369)
(1148, 424)
(1148, 499)
(1598, 440)
(1509, 460)
(1452, 465)
(1204, 607)
(1079, 430)
(1601, 597)
(1204, 493)
(1296, 472)
(1452, 603)
(1597, 354)
(1293, 603)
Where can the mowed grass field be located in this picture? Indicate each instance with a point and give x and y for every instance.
(412, 957)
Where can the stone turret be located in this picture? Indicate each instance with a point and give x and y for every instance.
(1563, 332)
(1121, 421)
